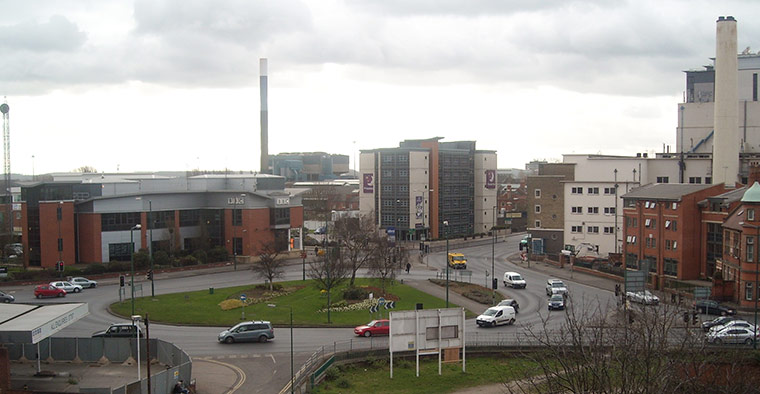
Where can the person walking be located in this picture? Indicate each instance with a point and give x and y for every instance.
(408, 267)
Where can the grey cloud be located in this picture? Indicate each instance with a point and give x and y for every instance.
(463, 7)
(57, 34)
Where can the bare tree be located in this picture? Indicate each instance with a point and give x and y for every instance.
(641, 349)
(328, 271)
(269, 266)
(355, 236)
(86, 170)
(386, 259)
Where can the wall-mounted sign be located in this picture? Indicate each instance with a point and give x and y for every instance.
(16, 207)
(490, 179)
(418, 206)
(368, 183)
(235, 200)
(282, 201)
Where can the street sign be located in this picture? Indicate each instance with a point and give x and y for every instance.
(390, 305)
(635, 281)
(381, 301)
(242, 297)
(373, 309)
(702, 292)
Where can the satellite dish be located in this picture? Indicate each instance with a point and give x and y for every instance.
(4, 108)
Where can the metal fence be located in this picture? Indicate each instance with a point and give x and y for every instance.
(175, 363)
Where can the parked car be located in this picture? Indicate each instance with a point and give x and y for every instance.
(68, 286)
(514, 280)
(119, 330)
(718, 321)
(14, 250)
(732, 335)
(733, 324)
(496, 315)
(375, 327)
(556, 301)
(643, 297)
(555, 286)
(711, 307)
(84, 282)
(510, 302)
(249, 331)
(48, 291)
(320, 230)
(6, 298)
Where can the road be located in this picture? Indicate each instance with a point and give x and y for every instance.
(201, 343)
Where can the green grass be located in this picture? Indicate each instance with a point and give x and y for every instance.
(202, 308)
(374, 376)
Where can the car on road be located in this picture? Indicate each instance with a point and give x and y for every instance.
(48, 291)
(510, 302)
(457, 261)
(732, 335)
(250, 331)
(320, 230)
(6, 298)
(733, 324)
(556, 302)
(119, 330)
(68, 286)
(555, 286)
(84, 282)
(642, 297)
(711, 307)
(495, 316)
(514, 280)
(375, 327)
(718, 321)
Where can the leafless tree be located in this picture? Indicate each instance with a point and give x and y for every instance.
(386, 260)
(641, 349)
(355, 237)
(328, 271)
(269, 266)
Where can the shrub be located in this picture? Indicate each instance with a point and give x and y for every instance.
(118, 266)
(161, 258)
(30, 275)
(71, 271)
(94, 269)
(142, 259)
(355, 293)
(265, 286)
(187, 261)
(331, 374)
(201, 256)
(343, 383)
(218, 254)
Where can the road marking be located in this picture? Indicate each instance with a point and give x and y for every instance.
(241, 375)
(272, 357)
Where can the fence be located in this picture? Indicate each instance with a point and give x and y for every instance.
(174, 363)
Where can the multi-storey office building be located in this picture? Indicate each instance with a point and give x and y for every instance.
(428, 189)
(93, 218)
(309, 166)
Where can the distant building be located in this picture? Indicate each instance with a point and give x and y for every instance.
(321, 198)
(428, 189)
(309, 166)
(545, 204)
(513, 205)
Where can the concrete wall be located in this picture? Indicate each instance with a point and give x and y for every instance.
(485, 199)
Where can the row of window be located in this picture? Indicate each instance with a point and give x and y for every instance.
(651, 223)
(653, 204)
(652, 242)
(592, 210)
(592, 229)
(593, 191)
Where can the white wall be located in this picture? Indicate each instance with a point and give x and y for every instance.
(485, 199)
(367, 166)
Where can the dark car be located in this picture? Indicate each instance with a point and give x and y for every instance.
(510, 302)
(119, 330)
(718, 321)
(711, 307)
(557, 301)
(6, 298)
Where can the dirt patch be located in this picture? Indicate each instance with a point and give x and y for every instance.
(472, 291)
(378, 292)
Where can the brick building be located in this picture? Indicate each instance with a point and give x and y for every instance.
(545, 204)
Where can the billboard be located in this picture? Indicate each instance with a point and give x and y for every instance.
(368, 183)
(418, 206)
(490, 179)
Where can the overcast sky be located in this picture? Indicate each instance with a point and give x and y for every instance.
(152, 85)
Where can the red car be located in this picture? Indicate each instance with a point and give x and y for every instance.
(48, 291)
(375, 327)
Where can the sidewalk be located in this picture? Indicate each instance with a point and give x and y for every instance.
(554, 271)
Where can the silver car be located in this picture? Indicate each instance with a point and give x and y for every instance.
(6, 298)
(643, 297)
(249, 331)
(84, 282)
(68, 286)
(732, 335)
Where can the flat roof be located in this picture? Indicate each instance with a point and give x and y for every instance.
(27, 323)
(665, 191)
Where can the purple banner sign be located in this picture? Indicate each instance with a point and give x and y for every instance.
(368, 183)
(490, 179)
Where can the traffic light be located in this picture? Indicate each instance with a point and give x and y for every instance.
(686, 317)
(59, 266)
(121, 280)
(495, 284)
(149, 275)
(694, 317)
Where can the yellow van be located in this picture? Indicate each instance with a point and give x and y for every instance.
(457, 261)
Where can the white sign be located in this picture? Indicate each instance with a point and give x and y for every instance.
(282, 201)
(72, 313)
(235, 200)
(413, 327)
(16, 207)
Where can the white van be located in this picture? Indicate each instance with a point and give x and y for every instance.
(496, 315)
(514, 280)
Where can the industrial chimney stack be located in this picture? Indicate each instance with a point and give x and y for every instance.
(264, 116)
(726, 147)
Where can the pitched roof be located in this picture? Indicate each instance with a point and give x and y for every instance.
(665, 191)
(752, 194)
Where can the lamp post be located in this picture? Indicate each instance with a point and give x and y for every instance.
(446, 235)
(292, 379)
(59, 215)
(493, 256)
(150, 246)
(132, 262)
(235, 209)
(135, 322)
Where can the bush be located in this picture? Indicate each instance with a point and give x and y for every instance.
(218, 254)
(94, 269)
(118, 266)
(201, 256)
(265, 286)
(30, 275)
(187, 261)
(355, 293)
(161, 258)
(331, 374)
(71, 271)
(142, 259)
(343, 383)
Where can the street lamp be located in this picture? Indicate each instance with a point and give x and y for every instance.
(446, 235)
(235, 225)
(292, 380)
(132, 262)
(150, 244)
(493, 257)
(135, 322)
(59, 215)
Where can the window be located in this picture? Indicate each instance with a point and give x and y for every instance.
(538, 208)
(662, 179)
(708, 180)
(59, 213)
(647, 222)
(593, 210)
(695, 179)
(576, 229)
(748, 291)
(576, 190)
(750, 214)
(189, 218)
(646, 204)
(609, 210)
(609, 230)
(237, 217)
(592, 229)
(675, 225)
(670, 267)
(667, 223)
(651, 242)
(279, 216)
(119, 252)
(631, 239)
(750, 249)
(119, 221)
(674, 206)
(593, 190)
(576, 210)
(537, 193)
(667, 244)
(609, 191)
(675, 245)
(537, 223)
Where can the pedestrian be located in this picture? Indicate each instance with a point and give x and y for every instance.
(408, 267)
(179, 388)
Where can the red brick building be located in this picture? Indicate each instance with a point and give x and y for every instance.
(741, 235)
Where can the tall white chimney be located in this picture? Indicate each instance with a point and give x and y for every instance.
(726, 147)
(264, 116)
